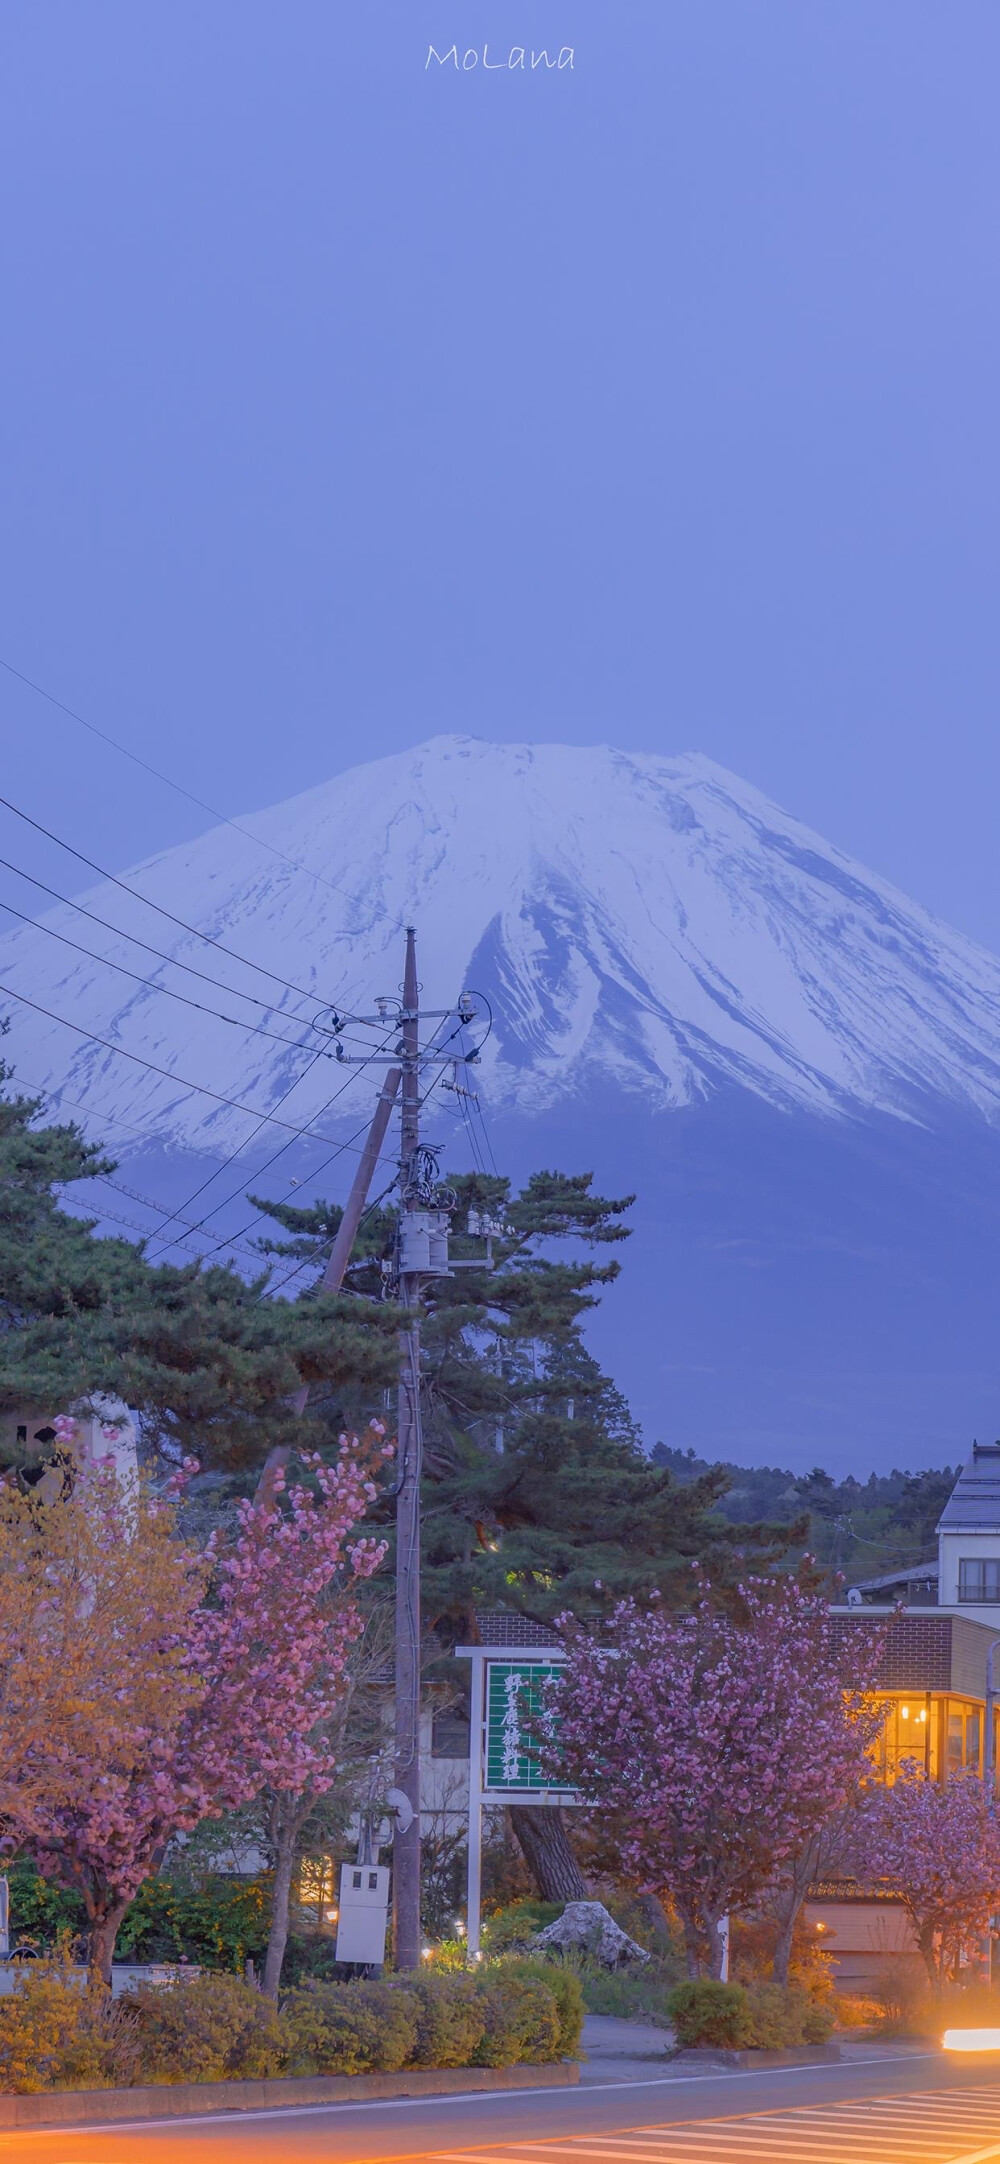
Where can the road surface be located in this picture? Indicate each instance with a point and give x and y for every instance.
(910, 2110)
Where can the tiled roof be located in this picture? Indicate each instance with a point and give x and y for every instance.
(974, 1503)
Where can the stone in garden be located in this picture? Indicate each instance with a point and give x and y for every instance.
(587, 1928)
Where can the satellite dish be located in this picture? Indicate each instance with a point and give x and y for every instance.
(401, 1808)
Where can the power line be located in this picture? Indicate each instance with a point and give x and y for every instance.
(148, 768)
(269, 1161)
(149, 1203)
(220, 944)
(220, 984)
(255, 1029)
(179, 1081)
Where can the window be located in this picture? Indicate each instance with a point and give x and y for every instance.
(450, 1730)
(979, 1578)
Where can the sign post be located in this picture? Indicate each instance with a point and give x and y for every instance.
(507, 1700)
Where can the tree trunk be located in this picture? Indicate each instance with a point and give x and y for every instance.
(544, 1843)
(654, 1915)
(694, 1947)
(783, 1946)
(284, 1859)
(104, 1927)
(931, 1957)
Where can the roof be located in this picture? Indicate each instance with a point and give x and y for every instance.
(974, 1503)
(906, 1574)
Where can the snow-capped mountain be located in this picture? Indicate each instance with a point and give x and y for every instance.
(795, 1068)
(650, 923)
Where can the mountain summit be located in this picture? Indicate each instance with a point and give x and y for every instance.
(650, 923)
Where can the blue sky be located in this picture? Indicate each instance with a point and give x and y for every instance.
(650, 401)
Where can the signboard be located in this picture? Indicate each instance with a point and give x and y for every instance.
(515, 1706)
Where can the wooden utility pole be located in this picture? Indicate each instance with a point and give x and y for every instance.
(340, 1255)
(406, 1845)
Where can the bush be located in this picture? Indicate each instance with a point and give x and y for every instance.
(706, 2012)
(853, 2011)
(358, 2028)
(517, 1924)
(749, 2017)
(520, 2022)
(630, 1994)
(219, 1923)
(565, 1986)
(57, 2031)
(206, 2028)
(782, 2017)
(450, 2019)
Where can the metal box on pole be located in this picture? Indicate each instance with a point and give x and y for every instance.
(364, 1907)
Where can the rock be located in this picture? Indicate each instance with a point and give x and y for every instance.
(587, 1927)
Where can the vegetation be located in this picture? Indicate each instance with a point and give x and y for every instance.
(191, 1680)
(58, 2033)
(854, 1529)
(756, 2017)
(209, 1364)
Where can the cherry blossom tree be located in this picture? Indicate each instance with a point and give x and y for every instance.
(938, 1847)
(724, 1741)
(210, 1677)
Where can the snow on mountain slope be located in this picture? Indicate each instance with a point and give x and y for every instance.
(652, 921)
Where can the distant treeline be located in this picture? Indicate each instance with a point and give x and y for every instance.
(858, 1528)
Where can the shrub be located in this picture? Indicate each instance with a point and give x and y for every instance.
(853, 2011)
(450, 2019)
(520, 2021)
(750, 2017)
(517, 1924)
(706, 2012)
(629, 1994)
(206, 2028)
(565, 1986)
(57, 2031)
(358, 2028)
(784, 2016)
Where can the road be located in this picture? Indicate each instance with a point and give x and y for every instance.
(911, 2110)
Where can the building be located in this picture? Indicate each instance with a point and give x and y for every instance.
(942, 1618)
(106, 1433)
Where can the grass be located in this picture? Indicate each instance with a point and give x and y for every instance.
(630, 1995)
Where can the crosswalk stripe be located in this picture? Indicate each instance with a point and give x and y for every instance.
(927, 2128)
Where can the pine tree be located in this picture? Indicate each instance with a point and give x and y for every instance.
(209, 1361)
(538, 1496)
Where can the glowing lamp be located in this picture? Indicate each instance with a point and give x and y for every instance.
(971, 2040)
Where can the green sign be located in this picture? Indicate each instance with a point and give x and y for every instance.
(515, 1708)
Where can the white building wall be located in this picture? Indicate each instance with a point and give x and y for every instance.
(954, 1548)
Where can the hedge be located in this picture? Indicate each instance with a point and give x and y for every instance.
(748, 2017)
(58, 2031)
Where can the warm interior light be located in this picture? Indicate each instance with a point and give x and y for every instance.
(971, 2040)
(821, 1927)
(922, 1715)
(332, 1915)
(904, 1713)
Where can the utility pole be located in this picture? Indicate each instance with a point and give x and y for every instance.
(421, 1254)
(340, 1255)
(406, 1845)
